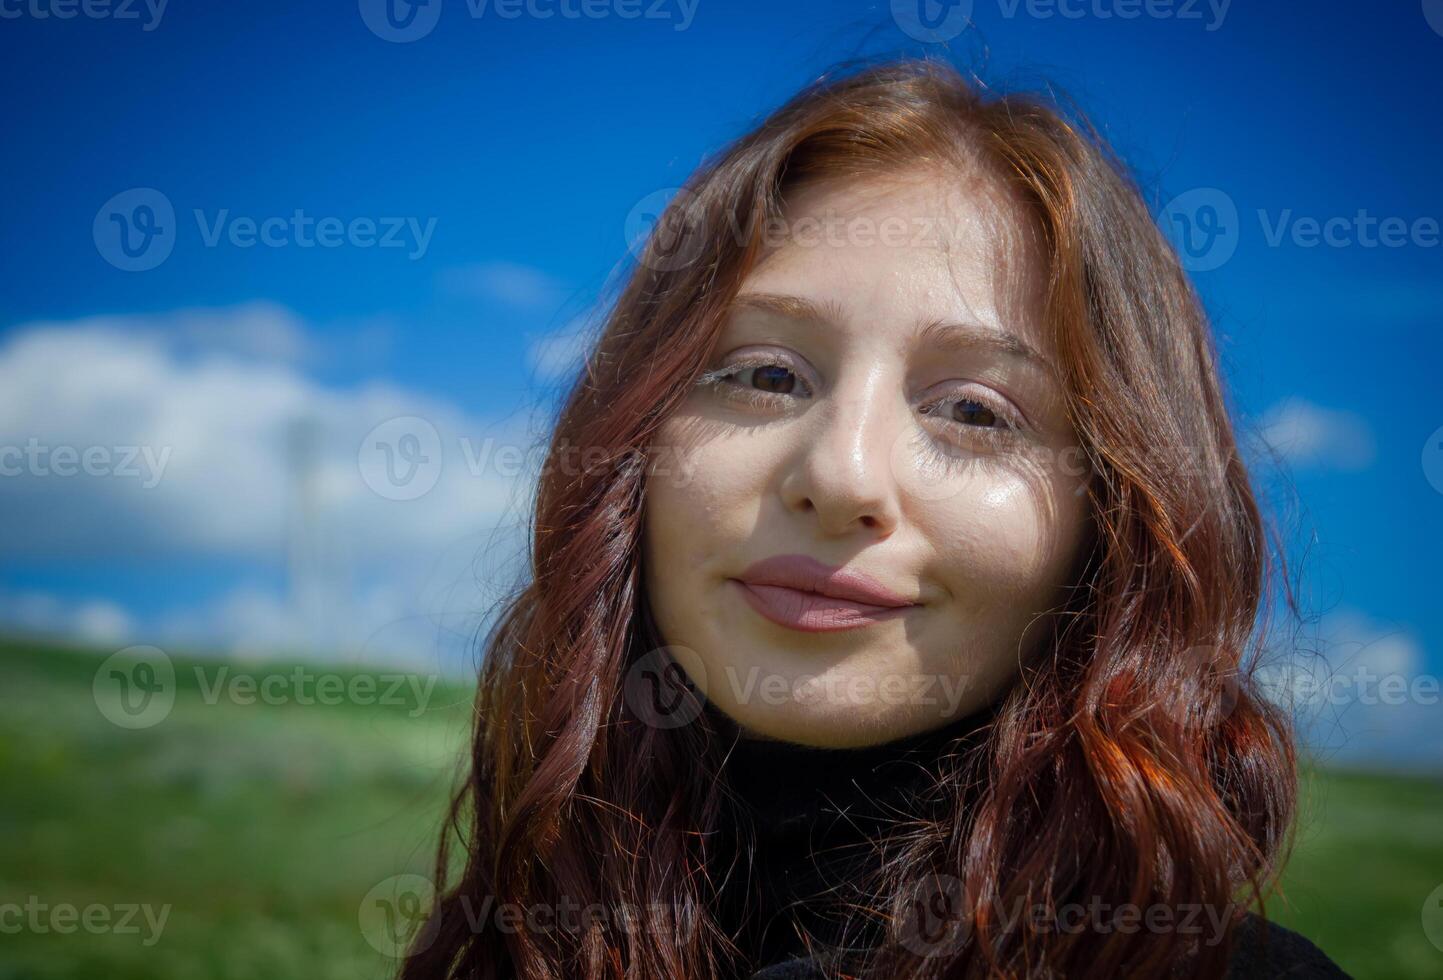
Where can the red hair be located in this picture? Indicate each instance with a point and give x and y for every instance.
(1133, 761)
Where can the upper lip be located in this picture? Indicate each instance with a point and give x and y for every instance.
(805, 573)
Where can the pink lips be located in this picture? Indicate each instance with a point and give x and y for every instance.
(801, 593)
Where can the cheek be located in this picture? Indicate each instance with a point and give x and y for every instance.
(694, 522)
(1006, 540)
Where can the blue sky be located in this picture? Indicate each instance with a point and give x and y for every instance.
(510, 151)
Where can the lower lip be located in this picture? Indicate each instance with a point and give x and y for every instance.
(811, 612)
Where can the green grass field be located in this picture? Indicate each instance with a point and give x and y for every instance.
(262, 827)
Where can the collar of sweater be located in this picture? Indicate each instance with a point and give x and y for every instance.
(804, 827)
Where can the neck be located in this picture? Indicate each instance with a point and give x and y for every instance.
(808, 823)
(782, 781)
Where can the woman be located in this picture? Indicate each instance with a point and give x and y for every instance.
(895, 628)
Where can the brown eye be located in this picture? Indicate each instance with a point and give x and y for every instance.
(970, 412)
(774, 378)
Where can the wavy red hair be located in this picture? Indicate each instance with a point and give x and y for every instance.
(1133, 761)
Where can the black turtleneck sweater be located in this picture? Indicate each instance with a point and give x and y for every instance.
(814, 815)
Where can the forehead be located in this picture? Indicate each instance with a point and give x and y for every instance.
(891, 253)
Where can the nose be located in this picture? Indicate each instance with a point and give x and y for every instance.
(842, 470)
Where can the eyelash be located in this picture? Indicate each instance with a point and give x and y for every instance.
(1008, 429)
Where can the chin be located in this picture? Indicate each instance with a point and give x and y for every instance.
(832, 726)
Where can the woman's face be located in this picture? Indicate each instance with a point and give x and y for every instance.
(880, 420)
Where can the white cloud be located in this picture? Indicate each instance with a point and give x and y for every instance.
(147, 440)
(1309, 435)
(1360, 691)
(104, 622)
(556, 355)
(93, 620)
(198, 453)
(521, 287)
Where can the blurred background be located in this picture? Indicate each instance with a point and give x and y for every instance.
(291, 290)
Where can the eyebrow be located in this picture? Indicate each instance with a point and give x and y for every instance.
(942, 334)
